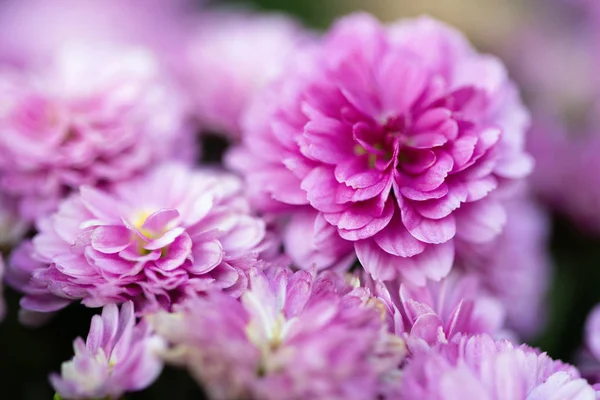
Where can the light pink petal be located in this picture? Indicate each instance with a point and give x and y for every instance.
(110, 239)
(396, 240)
(480, 221)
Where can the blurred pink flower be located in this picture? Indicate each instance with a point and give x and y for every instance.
(292, 336)
(228, 57)
(171, 233)
(589, 356)
(32, 30)
(516, 266)
(93, 116)
(117, 357)
(478, 367)
(395, 136)
(429, 315)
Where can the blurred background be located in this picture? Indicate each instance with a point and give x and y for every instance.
(549, 47)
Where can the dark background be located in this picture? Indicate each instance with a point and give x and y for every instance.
(28, 355)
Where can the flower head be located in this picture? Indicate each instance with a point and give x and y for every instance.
(91, 116)
(118, 356)
(428, 315)
(158, 238)
(229, 57)
(291, 336)
(478, 367)
(394, 135)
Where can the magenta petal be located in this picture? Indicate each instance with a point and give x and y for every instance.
(396, 240)
(441, 208)
(433, 263)
(401, 80)
(176, 253)
(206, 257)
(321, 187)
(427, 230)
(110, 239)
(413, 194)
(379, 264)
(426, 140)
(159, 220)
(325, 140)
(434, 176)
(370, 229)
(480, 221)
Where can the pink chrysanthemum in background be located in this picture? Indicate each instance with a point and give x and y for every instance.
(228, 57)
(117, 357)
(478, 367)
(155, 239)
(92, 116)
(589, 356)
(428, 315)
(395, 136)
(31, 30)
(292, 336)
(516, 267)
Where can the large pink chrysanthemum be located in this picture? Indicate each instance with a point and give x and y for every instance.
(168, 234)
(292, 336)
(91, 116)
(395, 136)
(117, 357)
(479, 368)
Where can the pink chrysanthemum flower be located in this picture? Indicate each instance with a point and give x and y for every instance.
(395, 136)
(34, 29)
(480, 368)
(515, 267)
(228, 57)
(292, 336)
(91, 116)
(117, 357)
(158, 238)
(428, 315)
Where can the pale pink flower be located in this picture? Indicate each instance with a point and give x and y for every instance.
(156, 239)
(395, 136)
(228, 57)
(91, 116)
(428, 315)
(515, 267)
(478, 367)
(291, 336)
(117, 357)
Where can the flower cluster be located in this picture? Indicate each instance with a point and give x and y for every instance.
(292, 335)
(368, 233)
